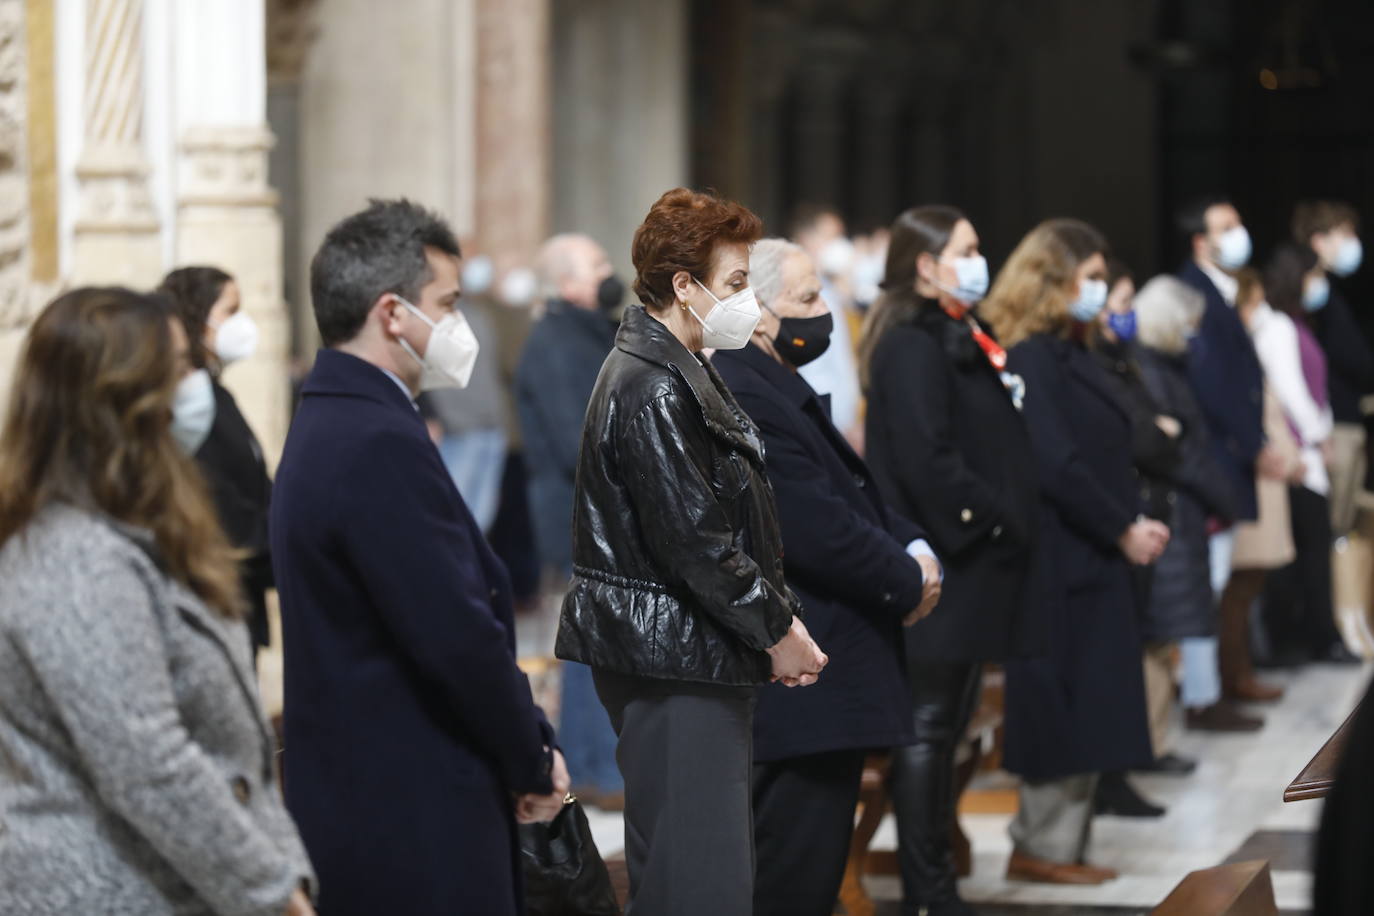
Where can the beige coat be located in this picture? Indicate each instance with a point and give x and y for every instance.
(1268, 542)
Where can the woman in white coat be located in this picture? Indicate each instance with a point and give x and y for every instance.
(1298, 605)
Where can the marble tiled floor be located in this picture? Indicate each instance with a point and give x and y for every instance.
(1236, 792)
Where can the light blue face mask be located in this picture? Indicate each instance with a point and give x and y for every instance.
(1316, 293)
(1348, 257)
(1234, 248)
(1092, 298)
(972, 279)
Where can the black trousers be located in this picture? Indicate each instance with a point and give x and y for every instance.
(1297, 599)
(945, 695)
(686, 752)
(803, 821)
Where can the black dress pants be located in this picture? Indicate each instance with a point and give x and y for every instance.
(686, 752)
(944, 695)
(1298, 610)
(803, 821)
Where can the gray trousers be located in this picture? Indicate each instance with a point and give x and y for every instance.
(1054, 820)
(686, 752)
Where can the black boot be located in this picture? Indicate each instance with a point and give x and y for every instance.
(1115, 795)
(922, 787)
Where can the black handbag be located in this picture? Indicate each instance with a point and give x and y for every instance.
(564, 872)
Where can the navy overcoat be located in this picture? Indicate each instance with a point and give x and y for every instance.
(408, 723)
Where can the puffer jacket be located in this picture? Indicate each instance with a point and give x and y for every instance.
(677, 554)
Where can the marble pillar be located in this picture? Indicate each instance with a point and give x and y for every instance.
(116, 238)
(226, 212)
(620, 115)
(513, 197)
(27, 186)
(385, 109)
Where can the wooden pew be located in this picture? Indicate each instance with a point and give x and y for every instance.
(1242, 889)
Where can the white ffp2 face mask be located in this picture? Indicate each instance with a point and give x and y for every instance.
(731, 321)
(236, 338)
(450, 354)
(193, 411)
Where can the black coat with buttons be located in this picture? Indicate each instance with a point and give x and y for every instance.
(1154, 453)
(950, 451)
(1079, 708)
(845, 556)
(1181, 602)
(677, 556)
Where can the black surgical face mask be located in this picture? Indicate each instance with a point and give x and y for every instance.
(801, 340)
(610, 293)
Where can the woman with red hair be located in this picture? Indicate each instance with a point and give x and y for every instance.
(677, 600)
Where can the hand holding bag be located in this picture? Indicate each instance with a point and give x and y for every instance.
(564, 872)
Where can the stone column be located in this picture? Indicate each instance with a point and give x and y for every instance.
(27, 187)
(116, 236)
(226, 212)
(514, 175)
(621, 118)
(14, 215)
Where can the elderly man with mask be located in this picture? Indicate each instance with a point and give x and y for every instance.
(554, 381)
(861, 573)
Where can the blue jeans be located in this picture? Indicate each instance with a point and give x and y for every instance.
(475, 460)
(1201, 686)
(585, 734)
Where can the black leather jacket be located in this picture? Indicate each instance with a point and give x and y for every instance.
(677, 555)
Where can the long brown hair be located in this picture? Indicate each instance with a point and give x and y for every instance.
(920, 230)
(89, 424)
(1032, 292)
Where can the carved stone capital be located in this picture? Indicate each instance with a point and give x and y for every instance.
(113, 192)
(225, 166)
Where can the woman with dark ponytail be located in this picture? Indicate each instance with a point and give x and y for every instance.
(946, 441)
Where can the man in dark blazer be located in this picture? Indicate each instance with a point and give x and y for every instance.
(553, 382)
(860, 572)
(413, 743)
(1229, 384)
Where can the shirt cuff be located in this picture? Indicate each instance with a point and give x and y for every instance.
(921, 548)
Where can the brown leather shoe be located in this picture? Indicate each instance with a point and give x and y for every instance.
(1021, 867)
(1253, 690)
(1103, 874)
(1222, 716)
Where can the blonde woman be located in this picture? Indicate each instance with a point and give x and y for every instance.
(1079, 709)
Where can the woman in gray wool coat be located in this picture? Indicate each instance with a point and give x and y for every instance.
(137, 770)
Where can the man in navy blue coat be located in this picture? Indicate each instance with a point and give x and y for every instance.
(1229, 384)
(412, 741)
(553, 384)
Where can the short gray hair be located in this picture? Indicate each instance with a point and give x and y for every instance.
(765, 267)
(556, 262)
(1166, 311)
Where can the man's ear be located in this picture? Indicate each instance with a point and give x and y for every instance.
(387, 309)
